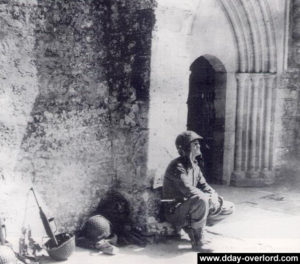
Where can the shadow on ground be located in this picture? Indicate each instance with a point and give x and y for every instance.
(266, 220)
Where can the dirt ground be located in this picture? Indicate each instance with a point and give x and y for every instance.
(265, 220)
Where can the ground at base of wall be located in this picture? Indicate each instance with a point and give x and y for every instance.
(266, 220)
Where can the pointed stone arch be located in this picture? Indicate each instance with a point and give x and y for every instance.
(253, 28)
(248, 32)
(256, 81)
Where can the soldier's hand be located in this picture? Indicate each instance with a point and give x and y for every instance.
(214, 202)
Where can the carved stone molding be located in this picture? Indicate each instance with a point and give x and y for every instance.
(254, 30)
(253, 27)
(253, 164)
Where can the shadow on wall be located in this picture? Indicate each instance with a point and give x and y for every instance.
(66, 150)
(88, 128)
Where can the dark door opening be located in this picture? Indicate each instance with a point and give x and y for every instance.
(206, 112)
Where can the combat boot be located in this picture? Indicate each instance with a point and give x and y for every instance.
(197, 239)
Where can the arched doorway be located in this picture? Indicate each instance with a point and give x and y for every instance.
(206, 112)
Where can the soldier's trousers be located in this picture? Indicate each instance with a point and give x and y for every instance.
(194, 213)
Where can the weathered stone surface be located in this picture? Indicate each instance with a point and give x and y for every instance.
(74, 94)
(75, 86)
(18, 81)
(288, 144)
(128, 39)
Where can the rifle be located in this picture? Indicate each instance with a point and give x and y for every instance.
(2, 232)
(46, 221)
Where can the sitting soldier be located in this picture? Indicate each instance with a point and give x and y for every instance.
(195, 203)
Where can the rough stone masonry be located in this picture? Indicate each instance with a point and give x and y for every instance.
(74, 97)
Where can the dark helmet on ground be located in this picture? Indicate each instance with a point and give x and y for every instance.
(96, 228)
(184, 139)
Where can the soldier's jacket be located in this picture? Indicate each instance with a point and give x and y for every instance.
(183, 180)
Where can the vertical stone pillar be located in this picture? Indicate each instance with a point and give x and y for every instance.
(255, 85)
(242, 80)
(254, 140)
(267, 157)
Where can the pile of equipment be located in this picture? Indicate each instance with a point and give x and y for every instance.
(60, 246)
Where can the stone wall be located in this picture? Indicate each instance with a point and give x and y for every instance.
(74, 87)
(18, 78)
(75, 78)
(18, 90)
(288, 156)
(186, 30)
(294, 64)
(286, 151)
(128, 41)
(66, 147)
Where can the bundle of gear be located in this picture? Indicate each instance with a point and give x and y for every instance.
(110, 226)
(58, 246)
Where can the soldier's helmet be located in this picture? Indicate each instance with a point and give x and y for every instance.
(96, 228)
(184, 139)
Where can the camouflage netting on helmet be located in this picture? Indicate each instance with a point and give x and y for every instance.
(96, 228)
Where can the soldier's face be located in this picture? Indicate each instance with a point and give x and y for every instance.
(195, 148)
